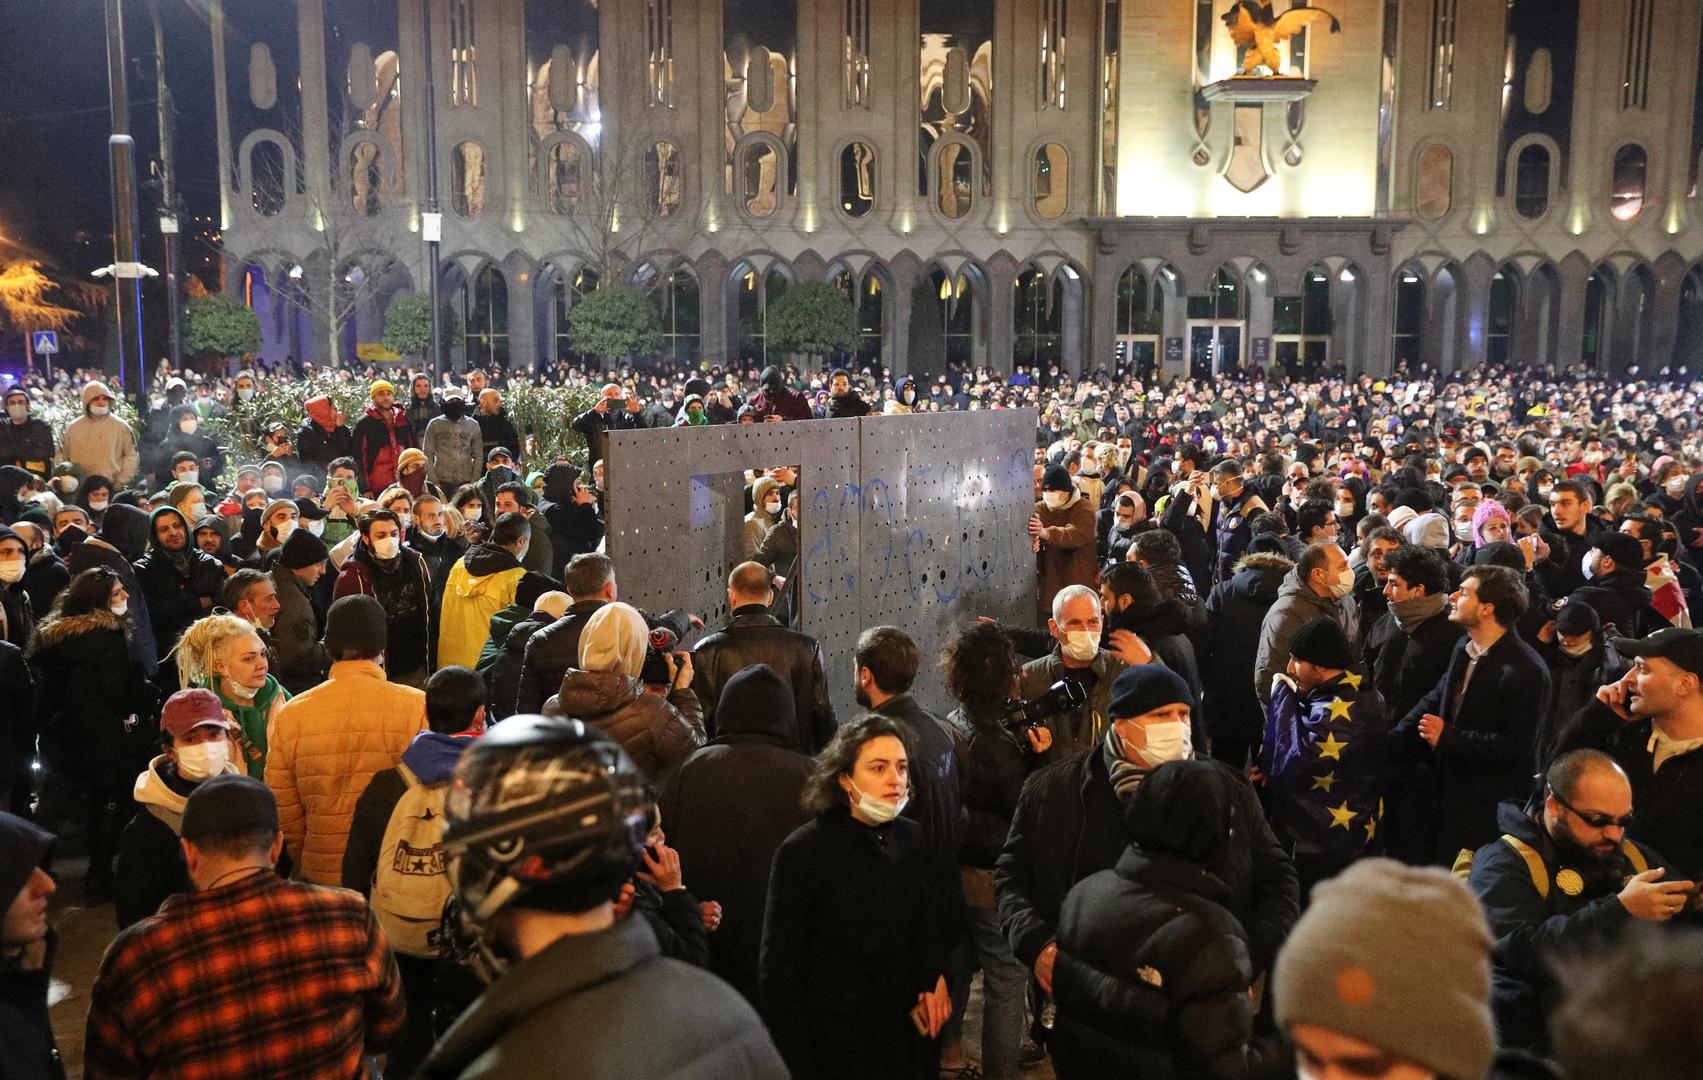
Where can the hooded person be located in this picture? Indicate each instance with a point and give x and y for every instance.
(381, 435)
(150, 864)
(45, 575)
(776, 398)
(1614, 585)
(17, 614)
(730, 806)
(13, 480)
(323, 438)
(606, 690)
(98, 441)
(1132, 602)
(382, 567)
(212, 537)
(411, 474)
(503, 673)
(453, 445)
(27, 1044)
(904, 397)
(25, 441)
(1153, 969)
(120, 542)
(692, 413)
(571, 512)
(480, 584)
(180, 583)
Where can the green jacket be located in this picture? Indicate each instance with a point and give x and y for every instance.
(501, 623)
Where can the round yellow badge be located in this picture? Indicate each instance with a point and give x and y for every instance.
(1569, 882)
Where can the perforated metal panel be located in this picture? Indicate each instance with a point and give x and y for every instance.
(911, 521)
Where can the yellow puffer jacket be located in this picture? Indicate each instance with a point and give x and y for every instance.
(324, 746)
(481, 583)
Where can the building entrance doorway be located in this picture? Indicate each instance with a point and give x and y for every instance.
(1215, 346)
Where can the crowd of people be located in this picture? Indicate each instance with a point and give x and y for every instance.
(1357, 735)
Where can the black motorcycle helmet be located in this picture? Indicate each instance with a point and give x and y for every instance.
(545, 813)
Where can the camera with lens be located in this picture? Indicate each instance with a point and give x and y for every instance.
(1022, 717)
(661, 644)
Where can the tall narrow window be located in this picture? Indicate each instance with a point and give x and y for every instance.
(1597, 293)
(569, 290)
(467, 179)
(1626, 195)
(957, 170)
(1442, 80)
(756, 292)
(1635, 71)
(1052, 53)
(463, 55)
(1052, 180)
(659, 38)
(662, 175)
(676, 301)
(1499, 324)
(1434, 193)
(488, 323)
(564, 173)
(857, 179)
(1409, 317)
(267, 178)
(759, 179)
(857, 53)
(1531, 182)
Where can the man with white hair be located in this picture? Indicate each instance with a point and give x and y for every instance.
(1075, 625)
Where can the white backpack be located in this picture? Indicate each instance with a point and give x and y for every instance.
(411, 882)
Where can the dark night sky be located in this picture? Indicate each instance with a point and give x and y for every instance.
(54, 121)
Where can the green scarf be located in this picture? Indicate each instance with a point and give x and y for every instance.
(251, 716)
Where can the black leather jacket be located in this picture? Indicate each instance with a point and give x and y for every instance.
(753, 636)
(553, 650)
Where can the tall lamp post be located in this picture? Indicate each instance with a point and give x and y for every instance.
(168, 192)
(431, 222)
(126, 256)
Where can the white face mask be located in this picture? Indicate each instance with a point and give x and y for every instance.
(404, 520)
(880, 811)
(1081, 645)
(772, 507)
(1343, 585)
(272, 484)
(195, 511)
(120, 608)
(202, 760)
(189, 476)
(20, 413)
(387, 548)
(1170, 741)
(1675, 486)
(283, 529)
(1055, 500)
(1345, 510)
(1588, 565)
(245, 393)
(1463, 530)
(11, 570)
(316, 528)
(97, 505)
(99, 410)
(188, 427)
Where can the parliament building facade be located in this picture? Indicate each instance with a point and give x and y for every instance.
(992, 182)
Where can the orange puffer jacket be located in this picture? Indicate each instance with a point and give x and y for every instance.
(324, 746)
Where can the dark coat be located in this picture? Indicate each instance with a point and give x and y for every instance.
(753, 636)
(45, 579)
(996, 765)
(1231, 529)
(502, 678)
(1573, 682)
(1163, 626)
(26, 1034)
(122, 539)
(177, 596)
(496, 429)
(90, 687)
(149, 865)
(849, 941)
(405, 590)
(1069, 824)
(550, 653)
(597, 989)
(574, 529)
(1406, 667)
(937, 777)
(19, 726)
(1237, 608)
(318, 447)
(1669, 812)
(1622, 600)
(302, 660)
(28, 445)
(659, 734)
(591, 426)
(1199, 547)
(1153, 968)
(730, 806)
(1533, 930)
(1488, 750)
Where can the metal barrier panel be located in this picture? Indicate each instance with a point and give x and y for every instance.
(913, 521)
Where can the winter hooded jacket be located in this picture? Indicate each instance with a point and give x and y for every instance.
(326, 745)
(180, 586)
(220, 526)
(1066, 556)
(1325, 763)
(149, 866)
(899, 405)
(1297, 603)
(1238, 608)
(481, 584)
(729, 807)
(1153, 968)
(1621, 599)
(658, 733)
(101, 444)
(574, 529)
(26, 1034)
(502, 676)
(380, 437)
(121, 540)
(98, 709)
(776, 398)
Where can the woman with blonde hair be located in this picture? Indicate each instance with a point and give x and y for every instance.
(224, 654)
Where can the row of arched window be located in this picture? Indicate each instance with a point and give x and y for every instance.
(1532, 182)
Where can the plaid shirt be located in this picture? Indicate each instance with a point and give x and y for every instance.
(259, 978)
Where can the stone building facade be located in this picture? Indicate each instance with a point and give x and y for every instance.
(995, 182)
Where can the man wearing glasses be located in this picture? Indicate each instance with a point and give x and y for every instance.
(1562, 881)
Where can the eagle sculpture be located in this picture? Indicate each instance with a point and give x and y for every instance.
(1253, 26)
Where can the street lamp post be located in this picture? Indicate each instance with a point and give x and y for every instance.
(126, 256)
(431, 223)
(168, 192)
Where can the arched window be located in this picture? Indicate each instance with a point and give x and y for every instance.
(1626, 194)
(1531, 182)
(1499, 319)
(1301, 325)
(957, 179)
(1598, 290)
(1410, 317)
(1051, 181)
(870, 298)
(366, 176)
(943, 322)
(567, 290)
(756, 291)
(1037, 318)
(759, 179)
(564, 176)
(1222, 300)
(676, 300)
(488, 321)
(662, 180)
(467, 179)
(266, 176)
(1435, 192)
(857, 179)
(1140, 306)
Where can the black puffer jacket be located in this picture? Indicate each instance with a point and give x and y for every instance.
(554, 650)
(937, 777)
(657, 733)
(1237, 609)
(753, 636)
(90, 687)
(1069, 824)
(996, 765)
(730, 806)
(121, 540)
(1163, 625)
(502, 678)
(1153, 969)
(180, 587)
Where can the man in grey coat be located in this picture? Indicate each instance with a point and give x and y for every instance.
(453, 446)
(1318, 586)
